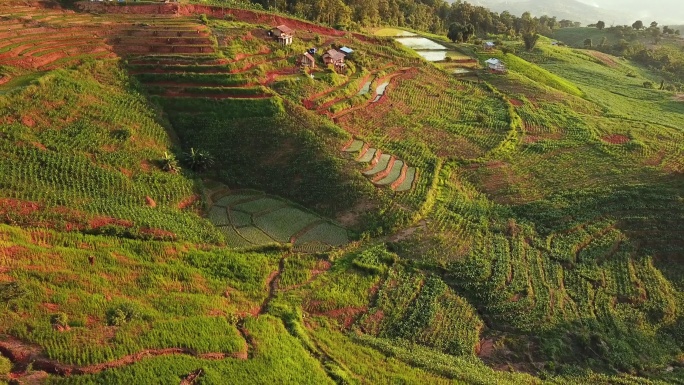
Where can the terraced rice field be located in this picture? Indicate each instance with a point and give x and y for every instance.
(38, 44)
(380, 91)
(383, 169)
(184, 59)
(253, 219)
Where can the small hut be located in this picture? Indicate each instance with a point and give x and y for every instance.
(334, 57)
(307, 61)
(495, 65)
(283, 34)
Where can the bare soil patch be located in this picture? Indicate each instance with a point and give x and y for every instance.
(187, 202)
(615, 139)
(604, 58)
(516, 102)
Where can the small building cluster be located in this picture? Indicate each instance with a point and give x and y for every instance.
(332, 56)
(284, 35)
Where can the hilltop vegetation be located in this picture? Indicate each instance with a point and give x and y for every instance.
(183, 202)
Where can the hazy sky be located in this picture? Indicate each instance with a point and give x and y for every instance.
(670, 11)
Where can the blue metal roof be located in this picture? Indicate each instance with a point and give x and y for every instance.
(346, 50)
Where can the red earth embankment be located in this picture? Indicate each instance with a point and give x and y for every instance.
(252, 17)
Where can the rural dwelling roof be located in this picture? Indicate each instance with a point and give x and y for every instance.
(493, 61)
(335, 55)
(346, 50)
(308, 56)
(489, 44)
(285, 29)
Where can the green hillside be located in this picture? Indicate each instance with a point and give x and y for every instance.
(183, 200)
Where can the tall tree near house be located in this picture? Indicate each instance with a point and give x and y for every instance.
(455, 32)
(530, 40)
(655, 32)
(460, 32)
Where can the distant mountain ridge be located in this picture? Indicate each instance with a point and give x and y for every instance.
(568, 9)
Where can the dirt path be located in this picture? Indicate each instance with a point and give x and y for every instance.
(23, 354)
(272, 283)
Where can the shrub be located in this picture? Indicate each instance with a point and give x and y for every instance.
(122, 134)
(170, 163)
(59, 319)
(506, 50)
(122, 314)
(203, 19)
(374, 260)
(10, 291)
(648, 84)
(199, 161)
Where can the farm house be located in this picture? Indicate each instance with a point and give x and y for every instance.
(495, 65)
(346, 51)
(307, 61)
(488, 45)
(283, 34)
(335, 58)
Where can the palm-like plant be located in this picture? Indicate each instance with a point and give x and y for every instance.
(170, 163)
(198, 160)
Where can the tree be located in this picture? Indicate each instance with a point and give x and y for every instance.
(677, 32)
(600, 25)
(455, 32)
(460, 32)
(655, 32)
(638, 25)
(654, 24)
(604, 42)
(10, 291)
(530, 40)
(469, 31)
(588, 43)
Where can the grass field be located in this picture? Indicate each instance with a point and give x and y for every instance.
(386, 223)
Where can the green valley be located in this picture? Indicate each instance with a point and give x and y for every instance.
(214, 193)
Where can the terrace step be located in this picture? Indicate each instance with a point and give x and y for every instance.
(364, 149)
(376, 158)
(367, 156)
(407, 184)
(384, 173)
(379, 166)
(393, 174)
(382, 169)
(401, 178)
(354, 146)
